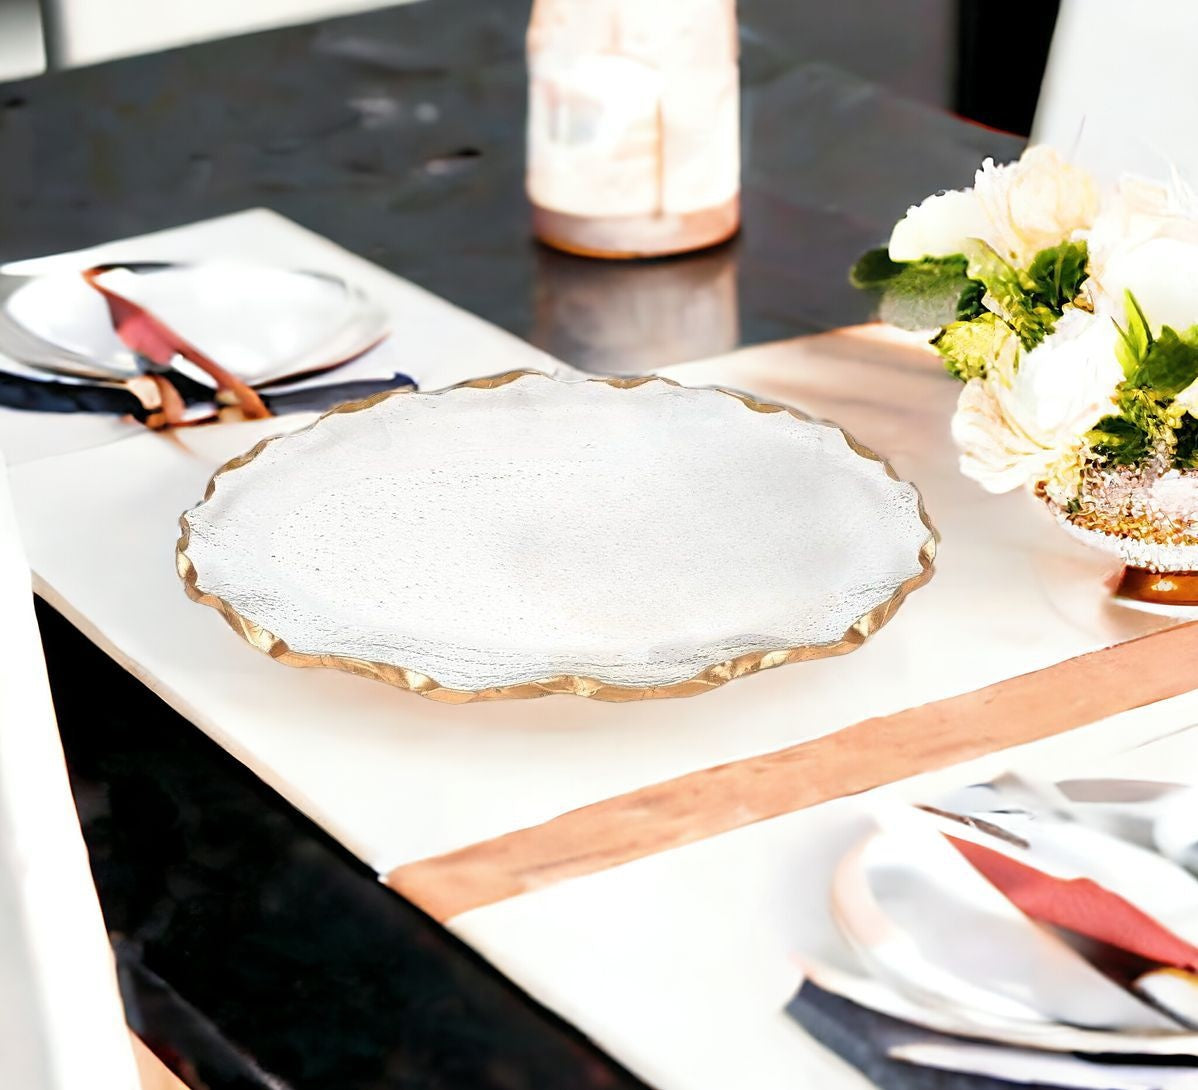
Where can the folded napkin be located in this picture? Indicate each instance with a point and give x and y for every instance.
(1082, 906)
(60, 397)
(898, 1056)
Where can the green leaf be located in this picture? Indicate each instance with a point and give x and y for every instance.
(1056, 274)
(1148, 412)
(1169, 364)
(1185, 452)
(1010, 294)
(971, 348)
(970, 305)
(1143, 425)
(1119, 440)
(1134, 341)
(1031, 321)
(1150, 420)
(874, 268)
(919, 295)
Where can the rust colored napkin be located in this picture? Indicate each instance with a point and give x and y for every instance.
(145, 334)
(1080, 905)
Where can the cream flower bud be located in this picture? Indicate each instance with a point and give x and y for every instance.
(1146, 241)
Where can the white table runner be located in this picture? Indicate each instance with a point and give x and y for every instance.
(681, 964)
(397, 778)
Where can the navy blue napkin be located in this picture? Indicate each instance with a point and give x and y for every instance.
(64, 397)
(863, 1037)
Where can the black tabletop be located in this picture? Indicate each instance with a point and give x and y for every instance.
(254, 952)
(400, 135)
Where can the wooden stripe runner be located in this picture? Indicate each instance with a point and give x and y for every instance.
(865, 755)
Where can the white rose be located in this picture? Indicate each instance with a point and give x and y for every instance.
(1018, 210)
(994, 452)
(941, 226)
(1145, 241)
(1019, 425)
(1034, 203)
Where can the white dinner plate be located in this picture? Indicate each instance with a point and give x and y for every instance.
(949, 952)
(925, 921)
(261, 323)
(521, 535)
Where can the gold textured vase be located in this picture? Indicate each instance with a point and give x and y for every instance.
(1147, 515)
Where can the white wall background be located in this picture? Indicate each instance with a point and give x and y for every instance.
(1121, 90)
(20, 39)
(88, 31)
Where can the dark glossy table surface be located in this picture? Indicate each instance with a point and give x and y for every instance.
(399, 134)
(255, 952)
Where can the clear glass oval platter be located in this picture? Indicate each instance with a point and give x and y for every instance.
(522, 535)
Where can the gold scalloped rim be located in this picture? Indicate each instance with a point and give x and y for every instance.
(710, 677)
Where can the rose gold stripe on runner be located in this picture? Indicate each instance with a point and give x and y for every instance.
(867, 754)
(154, 1074)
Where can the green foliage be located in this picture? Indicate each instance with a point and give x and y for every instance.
(1146, 411)
(1169, 363)
(1117, 439)
(1185, 453)
(919, 295)
(969, 348)
(874, 269)
(1031, 301)
(1146, 423)
(938, 291)
(1012, 295)
(1031, 321)
(1157, 369)
(970, 305)
(1056, 274)
(1135, 340)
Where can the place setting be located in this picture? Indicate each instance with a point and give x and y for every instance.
(178, 344)
(1013, 933)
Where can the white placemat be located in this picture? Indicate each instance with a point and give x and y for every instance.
(397, 778)
(434, 341)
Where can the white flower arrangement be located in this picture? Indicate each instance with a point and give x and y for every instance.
(1071, 317)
